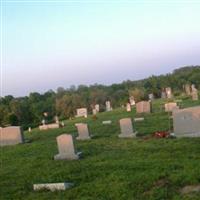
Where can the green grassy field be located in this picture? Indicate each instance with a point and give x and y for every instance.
(111, 168)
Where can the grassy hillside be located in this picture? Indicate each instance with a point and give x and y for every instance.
(111, 168)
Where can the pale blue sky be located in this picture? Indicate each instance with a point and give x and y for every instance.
(62, 43)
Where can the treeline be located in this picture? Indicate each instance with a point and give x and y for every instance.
(29, 111)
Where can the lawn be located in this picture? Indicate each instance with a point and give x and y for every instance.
(111, 168)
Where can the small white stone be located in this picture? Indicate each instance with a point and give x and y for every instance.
(52, 186)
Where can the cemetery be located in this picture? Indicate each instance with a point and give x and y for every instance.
(67, 163)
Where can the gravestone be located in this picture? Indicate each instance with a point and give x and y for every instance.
(169, 107)
(187, 122)
(168, 91)
(56, 119)
(81, 112)
(11, 135)
(126, 128)
(48, 126)
(108, 106)
(107, 122)
(188, 89)
(94, 111)
(82, 131)
(97, 107)
(65, 148)
(151, 97)
(194, 93)
(128, 107)
(52, 186)
(132, 100)
(163, 95)
(143, 107)
(29, 129)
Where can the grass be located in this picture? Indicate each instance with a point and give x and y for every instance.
(111, 168)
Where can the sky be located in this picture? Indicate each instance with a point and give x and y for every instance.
(48, 44)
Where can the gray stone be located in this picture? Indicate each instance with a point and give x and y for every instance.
(128, 107)
(49, 126)
(108, 106)
(11, 136)
(139, 119)
(132, 100)
(66, 148)
(52, 186)
(169, 107)
(187, 122)
(126, 128)
(83, 131)
(107, 122)
(143, 107)
(82, 112)
(168, 92)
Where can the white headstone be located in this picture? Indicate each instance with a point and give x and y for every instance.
(82, 112)
(126, 128)
(65, 148)
(108, 106)
(11, 135)
(83, 131)
(128, 107)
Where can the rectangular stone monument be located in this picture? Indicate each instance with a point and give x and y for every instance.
(187, 122)
(94, 111)
(194, 93)
(126, 128)
(97, 107)
(52, 186)
(83, 132)
(49, 126)
(82, 112)
(107, 122)
(66, 148)
(139, 119)
(168, 92)
(163, 95)
(143, 107)
(187, 89)
(169, 107)
(108, 106)
(132, 100)
(11, 135)
(128, 107)
(151, 97)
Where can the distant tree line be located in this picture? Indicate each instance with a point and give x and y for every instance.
(29, 111)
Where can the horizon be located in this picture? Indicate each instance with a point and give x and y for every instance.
(47, 44)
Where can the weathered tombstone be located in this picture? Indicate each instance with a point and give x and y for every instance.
(128, 107)
(97, 107)
(194, 93)
(168, 92)
(187, 122)
(108, 106)
(56, 119)
(132, 100)
(65, 148)
(52, 186)
(126, 128)
(81, 112)
(107, 122)
(43, 122)
(163, 95)
(169, 107)
(83, 131)
(11, 135)
(139, 119)
(94, 111)
(49, 126)
(143, 107)
(29, 129)
(151, 97)
(187, 89)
